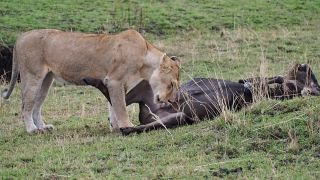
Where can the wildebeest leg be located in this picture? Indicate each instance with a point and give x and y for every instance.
(99, 85)
(275, 79)
(40, 97)
(262, 80)
(314, 79)
(103, 89)
(171, 121)
(145, 117)
(117, 97)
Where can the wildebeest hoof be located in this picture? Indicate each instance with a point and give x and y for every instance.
(128, 130)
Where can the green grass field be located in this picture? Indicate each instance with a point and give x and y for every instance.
(221, 39)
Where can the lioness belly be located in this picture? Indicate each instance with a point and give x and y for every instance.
(76, 77)
(61, 80)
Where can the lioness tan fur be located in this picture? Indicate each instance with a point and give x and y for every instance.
(121, 61)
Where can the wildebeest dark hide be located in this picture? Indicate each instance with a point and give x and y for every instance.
(5, 63)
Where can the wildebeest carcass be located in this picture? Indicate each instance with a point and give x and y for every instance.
(202, 98)
(5, 63)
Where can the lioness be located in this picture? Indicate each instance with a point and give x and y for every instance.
(121, 61)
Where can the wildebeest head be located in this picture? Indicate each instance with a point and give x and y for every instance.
(303, 76)
(300, 80)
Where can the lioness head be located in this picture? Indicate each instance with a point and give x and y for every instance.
(165, 82)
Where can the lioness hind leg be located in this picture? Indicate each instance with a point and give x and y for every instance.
(40, 97)
(117, 96)
(29, 91)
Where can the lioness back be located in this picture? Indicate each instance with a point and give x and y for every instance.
(72, 56)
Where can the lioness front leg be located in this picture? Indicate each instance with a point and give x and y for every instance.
(117, 97)
(37, 118)
(112, 119)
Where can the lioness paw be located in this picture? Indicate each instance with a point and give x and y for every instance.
(33, 130)
(46, 128)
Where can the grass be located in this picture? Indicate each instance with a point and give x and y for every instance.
(222, 39)
(155, 17)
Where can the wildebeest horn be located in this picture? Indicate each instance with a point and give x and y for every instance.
(314, 79)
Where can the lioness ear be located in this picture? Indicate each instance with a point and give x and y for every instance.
(176, 59)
